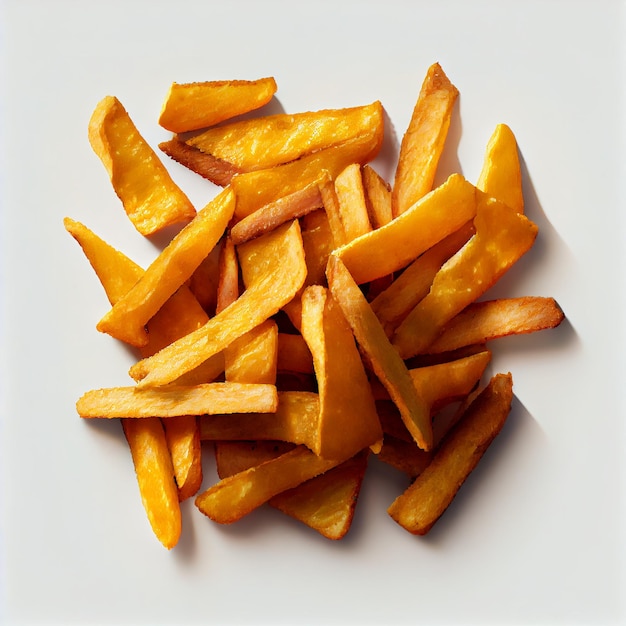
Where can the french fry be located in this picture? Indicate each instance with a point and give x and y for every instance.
(385, 360)
(174, 400)
(393, 246)
(502, 237)
(318, 242)
(191, 106)
(264, 142)
(238, 495)
(253, 357)
(491, 319)
(293, 354)
(351, 201)
(377, 197)
(419, 507)
(348, 421)
(175, 265)
(150, 197)
(273, 286)
(182, 435)
(424, 139)
(232, 457)
(155, 477)
(501, 175)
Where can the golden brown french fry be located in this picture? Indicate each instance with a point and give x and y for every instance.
(333, 212)
(151, 199)
(284, 209)
(280, 273)
(351, 202)
(204, 281)
(155, 477)
(258, 188)
(175, 400)
(502, 237)
(384, 358)
(393, 246)
(253, 357)
(377, 197)
(348, 421)
(233, 497)
(318, 242)
(266, 141)
(424, 139)
(191, 106)
(501, 175)
(395, 302)
(228, 280)
(491, 319)
(172, 267)
(183, 441)
(421, 505)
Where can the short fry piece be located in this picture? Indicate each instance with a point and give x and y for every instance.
(150, 197)
(191, 106)
(423, 142)
(155, 476)
(384, 358)
(233, 497)
(377, 197)
(172, 401)
(421, 505)
(393, 246)
(352, 204)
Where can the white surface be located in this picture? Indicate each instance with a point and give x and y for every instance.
(536, 535)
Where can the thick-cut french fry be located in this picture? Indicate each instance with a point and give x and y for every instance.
(280, 273)
(253, 357)
(394, 303)
(423, 142)
(233, 497)
(174, 400)
(204, 281)
(502, 237)
(393, 246)
(191, 106)
(377, 197)
(151, 199)
(183, 440)
(256, 189)
(155, 476)
(333, 212)
(352, 204)
(348, 421)
(175, 265)
(228, 280)
(501, 176)
(285, 209)
(318, 242)
(385, 360)
(295, 420)
(490, 319)
(267, 141)
(419, 507)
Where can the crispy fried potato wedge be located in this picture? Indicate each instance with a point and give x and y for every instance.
(352, 204)
(253, 357)
(228, 279)
(501, 175)
(174, 400)
(424, 139)
(318, 242)
(393, 246)
(348, 421)
(191, 106)
(502, 237)
(377, 197)
(235, 496)
(280, 270)
(327, 503)
(423, 503)
(271, 140)
(491, 319)
(395, 302)
(150, 197)
(258, 188)
(155, 477)
(384, 358)
(172, 267)
(295, 420)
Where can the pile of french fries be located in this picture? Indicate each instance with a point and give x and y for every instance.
(311, 316)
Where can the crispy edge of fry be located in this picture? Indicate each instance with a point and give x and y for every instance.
(423, 503)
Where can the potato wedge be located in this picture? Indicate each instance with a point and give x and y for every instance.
(502, 237)
(280, 270)
(253, 357)
(191, 106)
(150, 197)
(172, 267)
(384, 358)
(393, 246)
(351, 201)
(423, 503)
(377, 197)
(424, 139)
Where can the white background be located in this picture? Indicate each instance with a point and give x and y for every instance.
(536, 536)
